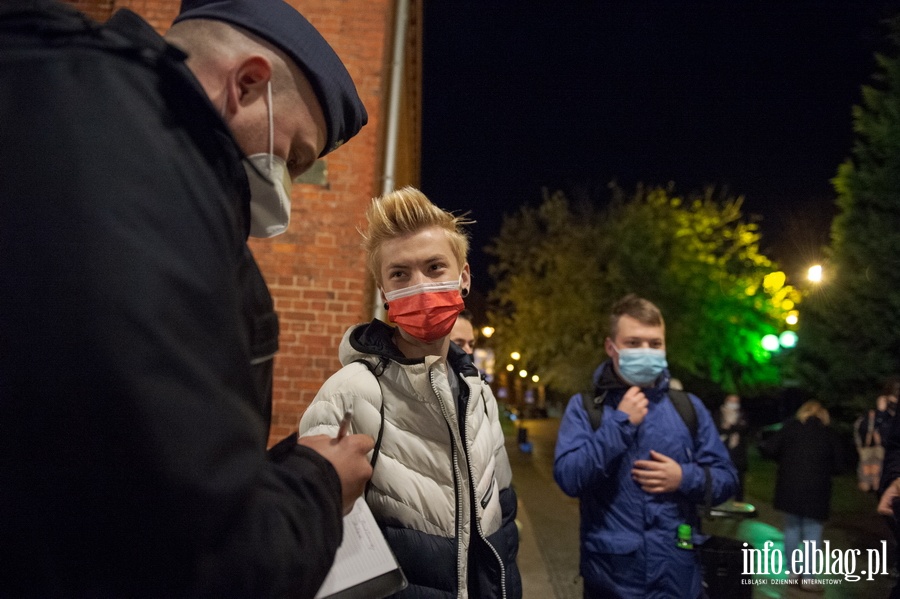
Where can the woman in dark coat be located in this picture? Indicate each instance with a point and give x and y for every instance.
(808, 455)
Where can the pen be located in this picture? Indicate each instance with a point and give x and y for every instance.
(345, 424)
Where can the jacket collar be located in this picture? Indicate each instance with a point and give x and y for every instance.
(607, 382)
(377, 338)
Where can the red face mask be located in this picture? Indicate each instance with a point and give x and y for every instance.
(426, 311)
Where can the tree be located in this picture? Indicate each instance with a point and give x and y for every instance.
(549, 291)
(850, 332)
(559, 271)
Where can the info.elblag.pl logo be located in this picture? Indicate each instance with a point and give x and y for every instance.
(810, 560)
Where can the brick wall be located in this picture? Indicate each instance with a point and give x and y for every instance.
(316, 271)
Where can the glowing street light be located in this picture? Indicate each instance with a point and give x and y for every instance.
(487, 332)
(510, 367)
(814, 273)
(535, 378)
(515, 355)
(787, 339)
(770, 343)
(523, 373)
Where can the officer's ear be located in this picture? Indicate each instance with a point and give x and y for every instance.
(245, 84)
(251, 78)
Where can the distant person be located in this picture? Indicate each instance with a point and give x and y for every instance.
(867, 432)
(808, 455)
(441, 487)
(463, 333)
(642, 470)
(886, 414)
(137, 332)
(889, 504)
(732, 427)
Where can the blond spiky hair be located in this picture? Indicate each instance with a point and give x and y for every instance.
(405, 211)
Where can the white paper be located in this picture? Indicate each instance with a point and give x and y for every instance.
(363, 554)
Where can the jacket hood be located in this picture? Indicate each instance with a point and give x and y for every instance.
(373, 342)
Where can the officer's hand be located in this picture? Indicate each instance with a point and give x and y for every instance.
(659, 474)
(348, 456)
(634, 403)
(884, 506)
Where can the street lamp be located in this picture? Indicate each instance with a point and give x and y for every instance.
(770, 343)
(814, 274)
(787, 339)
(487, 332)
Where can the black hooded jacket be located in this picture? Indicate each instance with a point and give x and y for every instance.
(133, 425)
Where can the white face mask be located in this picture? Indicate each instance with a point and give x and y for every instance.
(270, 187)
(427, 287)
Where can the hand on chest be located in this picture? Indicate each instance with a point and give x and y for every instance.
(665, 432)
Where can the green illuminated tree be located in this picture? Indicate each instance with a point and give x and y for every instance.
(850, 335)
(559, 270)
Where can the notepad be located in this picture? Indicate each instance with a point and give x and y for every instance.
(364, 566)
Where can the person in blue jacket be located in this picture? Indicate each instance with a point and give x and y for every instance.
(641, 473)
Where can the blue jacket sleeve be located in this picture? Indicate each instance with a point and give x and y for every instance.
(709, 453)
(585, 456)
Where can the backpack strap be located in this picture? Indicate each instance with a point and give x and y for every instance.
(685, 408)
(376, 371)
(593, 405)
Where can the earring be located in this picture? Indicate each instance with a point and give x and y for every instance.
(465, 293)
(385, 306)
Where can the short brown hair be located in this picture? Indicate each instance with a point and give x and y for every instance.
(406, 211)
(644, 311)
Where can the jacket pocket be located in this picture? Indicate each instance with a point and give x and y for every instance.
(615, 543)
(486, 498)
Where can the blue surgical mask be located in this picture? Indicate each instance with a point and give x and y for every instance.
(641, 366)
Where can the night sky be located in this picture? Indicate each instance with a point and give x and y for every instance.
(753, 97)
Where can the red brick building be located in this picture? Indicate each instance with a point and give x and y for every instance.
(316, 271)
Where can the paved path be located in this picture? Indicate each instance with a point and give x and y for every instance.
(548, 554)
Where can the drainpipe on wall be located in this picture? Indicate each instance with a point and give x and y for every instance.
(393, 118)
